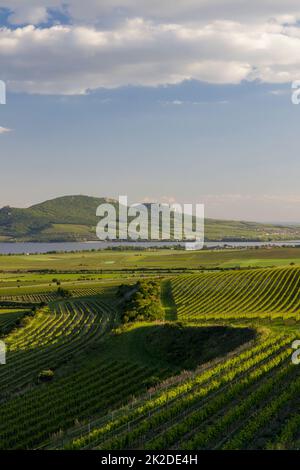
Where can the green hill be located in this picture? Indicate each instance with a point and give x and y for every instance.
(66, 218)
(72, 218)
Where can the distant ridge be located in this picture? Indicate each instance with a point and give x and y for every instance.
(73, 218)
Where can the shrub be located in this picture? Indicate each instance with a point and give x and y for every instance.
(144, 302)
(46, 375)
(63, 292)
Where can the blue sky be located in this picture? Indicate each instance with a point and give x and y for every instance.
(163, 115)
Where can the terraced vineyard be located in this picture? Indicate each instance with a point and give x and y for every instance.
(253, 293)
(30, 298)
(46, 297)
(9, 318)
(64, 338)
(207, 408)
(108, 392)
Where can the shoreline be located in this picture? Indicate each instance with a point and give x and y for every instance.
(36, 248)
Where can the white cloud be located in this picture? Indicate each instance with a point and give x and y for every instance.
(180, 102)
(174, 102)
(181, 45)
(3, 130)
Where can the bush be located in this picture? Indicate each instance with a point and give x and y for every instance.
(151, 381)
(46, 375)
(144, 302)
(63, 292)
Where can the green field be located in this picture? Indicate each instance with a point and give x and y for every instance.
(109, 261)
(216, 373)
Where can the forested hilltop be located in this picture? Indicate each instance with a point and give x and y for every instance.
(73, 218)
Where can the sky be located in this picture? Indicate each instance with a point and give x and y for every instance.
(185, 102)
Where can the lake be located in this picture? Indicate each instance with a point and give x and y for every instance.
(32, 247)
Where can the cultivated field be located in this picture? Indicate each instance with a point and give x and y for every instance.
(110, 261)
(215, 374)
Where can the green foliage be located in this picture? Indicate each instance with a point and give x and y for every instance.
(144, 303)
(43, 222)
(46, 375)
(65, 293)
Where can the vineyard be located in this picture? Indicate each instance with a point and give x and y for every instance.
(255, 293)
(46, 297)
(108, 391)
(9, 318)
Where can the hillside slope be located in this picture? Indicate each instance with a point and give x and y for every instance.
(67, 218)
(73, 218)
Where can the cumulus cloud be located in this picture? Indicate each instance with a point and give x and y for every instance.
(4, 130)
(218, 47)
